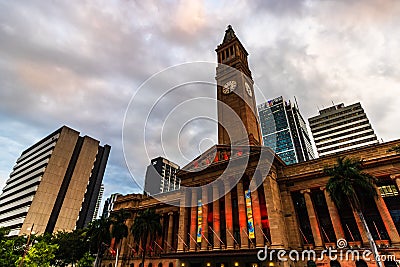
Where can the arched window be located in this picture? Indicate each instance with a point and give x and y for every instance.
(311, 263)
(150, 264)
(160, 264)
(170, 264)
(334, 263)
(140, 265)
(110, 265)
(131, 265)
(361, 263)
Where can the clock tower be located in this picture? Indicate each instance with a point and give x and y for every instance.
(235, 93)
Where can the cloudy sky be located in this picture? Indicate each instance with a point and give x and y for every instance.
(79, 64)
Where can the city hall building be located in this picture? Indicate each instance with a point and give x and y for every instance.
(238, 198)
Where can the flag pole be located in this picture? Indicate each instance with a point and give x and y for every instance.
(116, 258)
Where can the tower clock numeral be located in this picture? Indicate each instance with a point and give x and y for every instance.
(229, 87)
(248, 89)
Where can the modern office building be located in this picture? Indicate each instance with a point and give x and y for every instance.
(97, 207)
(109, 205)
(161, 176)
(54, 184)
(284, 130)
(339, 128)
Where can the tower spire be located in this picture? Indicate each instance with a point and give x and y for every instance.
(229, 34)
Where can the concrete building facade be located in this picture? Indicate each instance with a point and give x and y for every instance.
(109, 205)
(54, 184)
(161, 176)
(98, 202)
(339, 128)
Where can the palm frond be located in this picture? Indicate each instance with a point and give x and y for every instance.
(395, 149)
(348, 183)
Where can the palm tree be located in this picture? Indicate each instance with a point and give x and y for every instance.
(146, 226)
(119, 230)
(99, 236)
(348, 184)
(395, 149)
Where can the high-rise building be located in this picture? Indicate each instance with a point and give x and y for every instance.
(339, 128)
(54, 184)
(161, 176)
(285, 131)
(109, 205)
(97, 207)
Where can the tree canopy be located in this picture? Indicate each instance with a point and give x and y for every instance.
(349, 184)
(395, 149)
(146, 226)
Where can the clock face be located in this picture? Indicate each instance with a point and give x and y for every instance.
(229, 87)
(248, 89)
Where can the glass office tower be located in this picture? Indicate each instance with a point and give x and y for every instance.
(284, 130)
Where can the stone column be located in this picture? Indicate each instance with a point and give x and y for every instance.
(255, 203)
(274, 215)
(182, 231)
(334, 215)
(396, 178)
(387, 219)
(228, 216)
(193, 221)
(216, 218)
(292, 232)
(313, 218)
(244, 241)
(204, 202)
(170, 230)
(361, 229)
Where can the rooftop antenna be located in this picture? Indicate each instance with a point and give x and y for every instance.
(332, 103)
